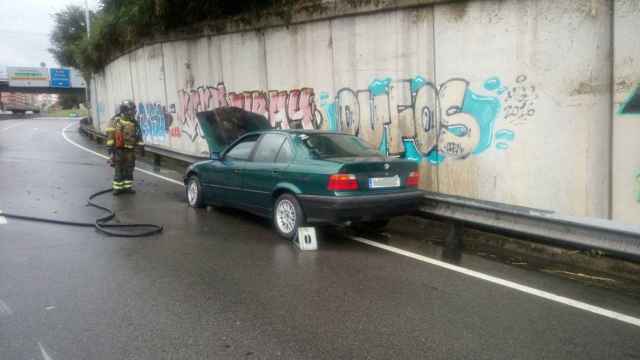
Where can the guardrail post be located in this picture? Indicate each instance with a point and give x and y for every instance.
(156, 162)
(453, 243)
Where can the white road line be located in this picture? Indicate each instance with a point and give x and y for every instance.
(11, 126)
(45, 356)
(510, 284)
(3, 220)
(5, 309)
(478, 275)
(105, 157)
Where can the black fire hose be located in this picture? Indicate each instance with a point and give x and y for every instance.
(100, 224)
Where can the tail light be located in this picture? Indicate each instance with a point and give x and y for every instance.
(413, 179)
(342, 182)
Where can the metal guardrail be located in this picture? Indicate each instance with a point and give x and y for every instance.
(157, 151)
(162, 151)
(582, 233)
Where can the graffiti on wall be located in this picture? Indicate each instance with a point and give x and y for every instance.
(295, 109)
(450, 120)
(519, 100)
(632, 105)
(154, 121)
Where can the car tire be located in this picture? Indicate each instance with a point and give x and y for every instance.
(287, 216)
(194, 192)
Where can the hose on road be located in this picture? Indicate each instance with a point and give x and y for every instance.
(101, 224)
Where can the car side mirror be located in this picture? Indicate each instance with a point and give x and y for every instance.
(216, 156)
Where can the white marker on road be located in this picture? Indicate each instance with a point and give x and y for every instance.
(5, 309)
(3, 220)
(45, 356)
(478, 275)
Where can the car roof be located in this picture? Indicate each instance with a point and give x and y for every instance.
(294, 132)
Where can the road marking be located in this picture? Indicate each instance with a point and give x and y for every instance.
(510, 284)
(3, 220)
(106, 157)
(45, 356)
(12, 126)
(5, 309)
(478, 275)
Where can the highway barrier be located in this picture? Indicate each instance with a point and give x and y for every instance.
(615, 239)
(619, 240)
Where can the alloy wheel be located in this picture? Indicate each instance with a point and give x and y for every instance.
(192, 192)
(286, 216)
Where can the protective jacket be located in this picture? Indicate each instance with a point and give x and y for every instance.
(124, 133)
(122, 138)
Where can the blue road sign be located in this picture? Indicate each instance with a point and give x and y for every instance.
(60, 78)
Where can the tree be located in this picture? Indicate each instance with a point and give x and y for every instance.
(70, 30)
(122, 24)
(69, 101)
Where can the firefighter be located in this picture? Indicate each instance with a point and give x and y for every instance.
(123, 137)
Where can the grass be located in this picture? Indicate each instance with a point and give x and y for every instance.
(68, 113)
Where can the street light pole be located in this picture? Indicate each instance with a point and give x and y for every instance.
(87, 19)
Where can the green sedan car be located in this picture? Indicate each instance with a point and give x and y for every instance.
(298, 177)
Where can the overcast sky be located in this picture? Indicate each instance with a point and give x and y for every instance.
(25, 26)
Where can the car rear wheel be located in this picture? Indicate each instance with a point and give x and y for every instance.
(287, 216)
(194, 192)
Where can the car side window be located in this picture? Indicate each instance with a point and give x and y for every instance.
(268, 148)
(286, 153)
(242, 150)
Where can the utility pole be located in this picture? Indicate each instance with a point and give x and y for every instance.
(87, 19)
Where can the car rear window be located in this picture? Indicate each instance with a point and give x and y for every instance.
(336, 146)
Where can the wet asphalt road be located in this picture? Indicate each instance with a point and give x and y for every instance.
(221, 285)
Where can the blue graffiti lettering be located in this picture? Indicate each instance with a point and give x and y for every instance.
(152, 122)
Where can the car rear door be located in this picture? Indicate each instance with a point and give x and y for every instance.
(263, 172)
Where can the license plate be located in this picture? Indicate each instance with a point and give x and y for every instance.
(384, 182)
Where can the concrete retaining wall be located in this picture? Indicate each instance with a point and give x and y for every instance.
(509, 101)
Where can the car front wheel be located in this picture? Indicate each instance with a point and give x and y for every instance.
(194, 192)
(287, 215)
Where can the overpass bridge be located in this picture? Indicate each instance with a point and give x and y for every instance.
(38, 80)
(42, 80)
(5, 87)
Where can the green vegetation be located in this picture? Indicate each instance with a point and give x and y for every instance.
(68, 101)
(122, 24)
(69, 113)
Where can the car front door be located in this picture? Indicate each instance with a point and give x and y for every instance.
(224, 178)
(263, 173)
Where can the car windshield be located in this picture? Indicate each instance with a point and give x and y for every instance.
(337, 146)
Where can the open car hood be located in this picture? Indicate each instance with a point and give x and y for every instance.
(224, 125)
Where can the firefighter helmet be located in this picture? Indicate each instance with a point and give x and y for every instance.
(128, 108)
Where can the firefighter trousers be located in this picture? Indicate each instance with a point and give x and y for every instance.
(124, 161)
